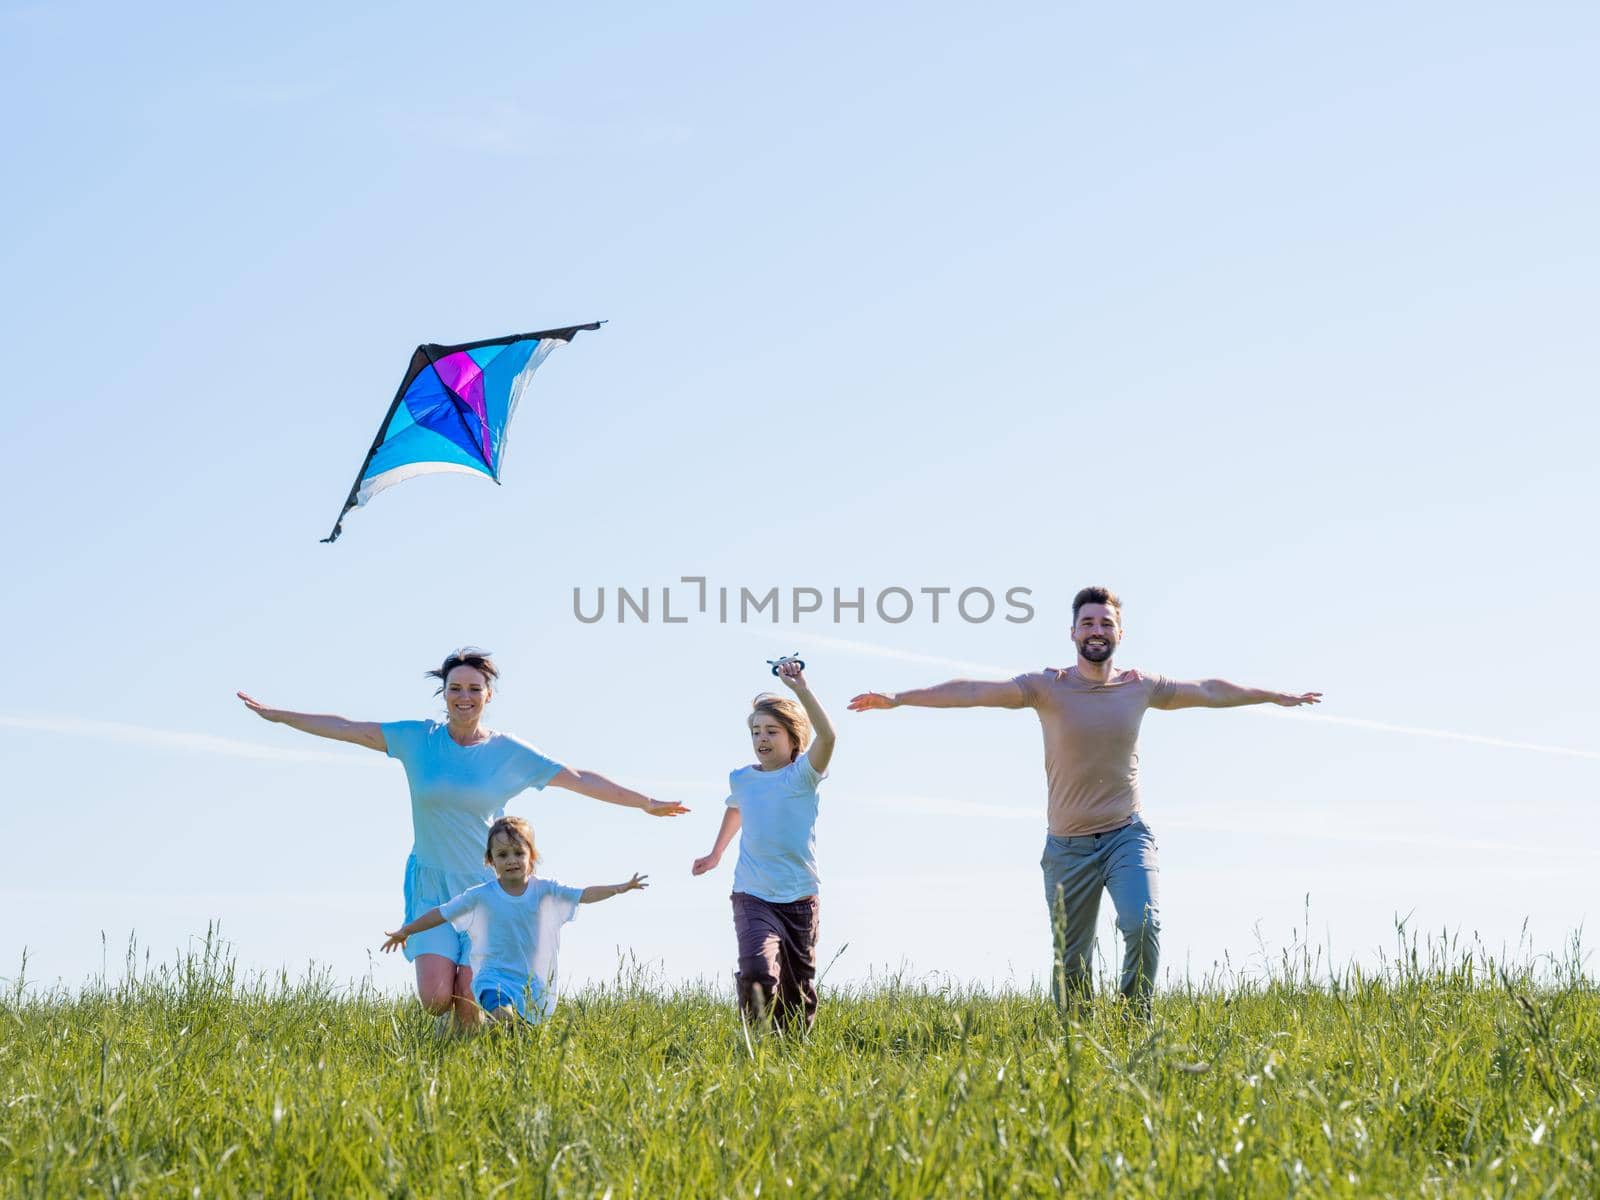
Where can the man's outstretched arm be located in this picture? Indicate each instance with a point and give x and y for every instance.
(958, 693)
(1219, 693)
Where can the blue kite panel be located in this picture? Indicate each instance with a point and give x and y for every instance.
(420, 445)
(498, 378)
(484, 355)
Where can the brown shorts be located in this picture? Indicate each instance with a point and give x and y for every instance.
(777, 958)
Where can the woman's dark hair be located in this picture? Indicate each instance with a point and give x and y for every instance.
(467, 656)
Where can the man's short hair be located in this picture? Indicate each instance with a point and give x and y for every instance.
(1096, 595)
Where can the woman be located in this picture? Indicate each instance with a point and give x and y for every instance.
(461, 775)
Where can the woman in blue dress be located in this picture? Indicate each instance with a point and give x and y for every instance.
(461, 775)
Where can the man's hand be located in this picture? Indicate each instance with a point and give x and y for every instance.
(1290, 701)
(665, 808)
(870, 701)
(708, 863)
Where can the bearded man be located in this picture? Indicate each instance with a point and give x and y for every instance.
(1090, 715)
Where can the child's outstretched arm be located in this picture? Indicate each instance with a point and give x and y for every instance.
(428, 920)
(730, 826)
(604, 891)
(821, 750)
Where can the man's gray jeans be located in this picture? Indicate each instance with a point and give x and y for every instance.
(1123, 862)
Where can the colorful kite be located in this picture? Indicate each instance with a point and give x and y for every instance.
(452, 410)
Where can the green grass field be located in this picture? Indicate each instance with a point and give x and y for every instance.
(1439, 1077)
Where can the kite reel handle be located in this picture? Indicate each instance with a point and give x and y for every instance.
(795, 658)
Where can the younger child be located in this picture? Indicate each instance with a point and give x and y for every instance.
(774, 800)
(514, 924)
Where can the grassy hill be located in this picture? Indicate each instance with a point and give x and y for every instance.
(1434, 1078)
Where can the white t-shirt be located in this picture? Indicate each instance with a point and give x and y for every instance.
(515, 939)
(778, 839)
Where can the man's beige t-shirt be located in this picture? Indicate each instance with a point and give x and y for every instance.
(1091, 744)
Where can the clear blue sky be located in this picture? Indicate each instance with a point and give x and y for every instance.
(1272, 319)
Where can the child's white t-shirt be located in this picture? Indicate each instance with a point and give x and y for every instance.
(778, 830)
(515, 939)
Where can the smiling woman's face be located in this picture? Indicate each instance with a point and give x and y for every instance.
(466, 691)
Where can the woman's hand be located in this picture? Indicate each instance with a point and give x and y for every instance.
(260, 709)
(665, 808)
(396, 940)
(633, 885)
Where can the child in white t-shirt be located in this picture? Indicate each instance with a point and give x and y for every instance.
(774, 802)
(514, 925)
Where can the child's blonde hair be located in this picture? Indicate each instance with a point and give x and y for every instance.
(513, 829)
(787, 713)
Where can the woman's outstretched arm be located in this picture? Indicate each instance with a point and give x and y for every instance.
(340, 729)
(597, 787)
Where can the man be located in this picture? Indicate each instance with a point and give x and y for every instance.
(1090, 714)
